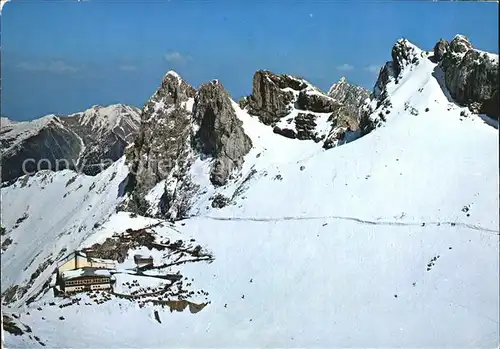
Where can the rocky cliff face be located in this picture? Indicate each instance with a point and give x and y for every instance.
(275, 96)
(296, 109)
(347, 120)
(403, 53)
(88, 141)
(471, 75)
(162, 150)
(220, 132)
(179, 125)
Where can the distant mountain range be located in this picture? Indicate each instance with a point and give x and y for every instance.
(79, 141)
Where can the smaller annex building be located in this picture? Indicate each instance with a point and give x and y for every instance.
(85, 279)
(143, 262)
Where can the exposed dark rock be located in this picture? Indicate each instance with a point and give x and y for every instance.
(385, 73)
(10, 326)
(157, 316)
(344, 122)
(471, 76)
(220, 132)
(460, 44)
(403, 53)
(305, 124)
(440, 49)
(349, 116)
(220, 201)
(6, 243)
(286, 132)
(347, 94)
(162, 148)
(316, 102)
(268, 101)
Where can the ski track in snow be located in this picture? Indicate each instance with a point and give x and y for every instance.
(354, 219)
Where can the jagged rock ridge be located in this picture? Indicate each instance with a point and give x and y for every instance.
(296, 109)
(179, 125)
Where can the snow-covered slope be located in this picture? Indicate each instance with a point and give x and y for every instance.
(120, 118)
(47, 216)
(13, 133)
(391, 240)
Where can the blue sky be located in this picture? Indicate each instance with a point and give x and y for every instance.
(65, 56)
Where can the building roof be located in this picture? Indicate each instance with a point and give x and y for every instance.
(100, 260)
(86, 271)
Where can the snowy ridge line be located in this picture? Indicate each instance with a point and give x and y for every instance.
(354, 219)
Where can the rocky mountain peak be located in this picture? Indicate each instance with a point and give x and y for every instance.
(403, 53)
(441, 47)
(281, 80)
(275, 95)
(119, 118)
(174, 90)
(347, 93)
(342, 80)
(460, 44)
(268, 100)
(173, 136)
(471, 75)
(220, 132)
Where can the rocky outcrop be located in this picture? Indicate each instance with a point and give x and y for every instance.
(460, 44)
(274, 96)
(172, 91)
(316, 102)
(346, 127)
(440, 49)
(348, 117)
(220, 132)
(268, 101)
(285, 132)
(88, 142)
(471, 76)
(385, 73)
(403, 53)
(180, 124)
(305, 124)
(162, 149)
(349, 95)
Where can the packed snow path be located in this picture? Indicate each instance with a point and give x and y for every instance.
(452, 224)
